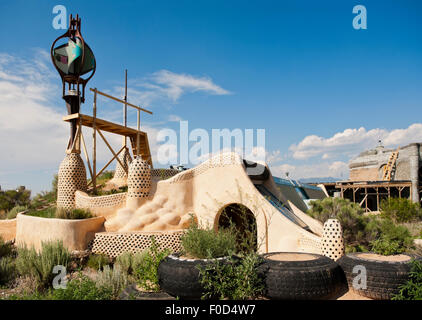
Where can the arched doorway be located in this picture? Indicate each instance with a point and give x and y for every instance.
(242, 219)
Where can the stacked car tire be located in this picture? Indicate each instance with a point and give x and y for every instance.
(306, 277)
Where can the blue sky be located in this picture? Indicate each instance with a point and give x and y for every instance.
(298, 69)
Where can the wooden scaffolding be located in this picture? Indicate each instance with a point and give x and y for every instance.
(368, 194)
(138, 139)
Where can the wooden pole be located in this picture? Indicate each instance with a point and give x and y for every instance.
(378, 199)
(125, 107)
(121, 101)
(86, 155)
(94, 144)
(137, 134)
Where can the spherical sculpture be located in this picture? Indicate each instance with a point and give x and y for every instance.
(138, 182)
(332, 239)
(72, 177)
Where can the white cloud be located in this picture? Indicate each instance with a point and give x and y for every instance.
(174, 85)
(33, 136)
(174, 118)
(337, 169)
(165, 85)
(352, 141)
(32, 133)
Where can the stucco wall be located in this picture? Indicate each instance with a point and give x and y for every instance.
(8, 229)
(75, 234)
(364, 174)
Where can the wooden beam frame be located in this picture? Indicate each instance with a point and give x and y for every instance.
(112, 151)
(107, 164)
(121, 101)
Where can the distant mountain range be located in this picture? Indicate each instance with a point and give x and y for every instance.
(320, 179)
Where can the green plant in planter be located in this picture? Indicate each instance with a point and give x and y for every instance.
(236, 279)
(207, 243)
(393, 239)
(412, 289)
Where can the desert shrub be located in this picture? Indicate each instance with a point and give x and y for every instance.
(44, 213)
(237, 279)
(113, 279)
(98, 261)
(40, 264)
(357, 235)
(129, 262)
(207, 243)
(362, 233)
(73, 214)
(15, 210)
(145, 266)
(401, 210)
(412, 289)
(7, 270)
(83, 288)
(391, 238)
(60, 213)
(6, 248)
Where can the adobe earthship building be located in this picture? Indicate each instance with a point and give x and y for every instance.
(380, 173)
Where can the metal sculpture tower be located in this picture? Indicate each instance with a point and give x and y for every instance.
(73, 60)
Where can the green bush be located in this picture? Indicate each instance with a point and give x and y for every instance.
(235, 280)
(13, 198)
(357, 235)
(40, 264)
(83, 288)
(412, 289)
(391, 239)
(113, 279)
(145, 266)
(73, 214)
(44, 213)
(6, 248)
(129, 262)
(98, 261)
(7, 270)
(59, 213)
(362, 233)
(400, 210)
(207, 243)
(15, 210)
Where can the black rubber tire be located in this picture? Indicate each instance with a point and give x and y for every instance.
(383, 277)
(316, 279)
(180, 277)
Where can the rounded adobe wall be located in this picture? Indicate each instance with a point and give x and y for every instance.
(104, 206)
(8, 229)
(75, 234)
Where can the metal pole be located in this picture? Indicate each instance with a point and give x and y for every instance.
(94, 144)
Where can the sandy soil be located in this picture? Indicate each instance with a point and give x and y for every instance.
(395, 258)
(291, 257)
